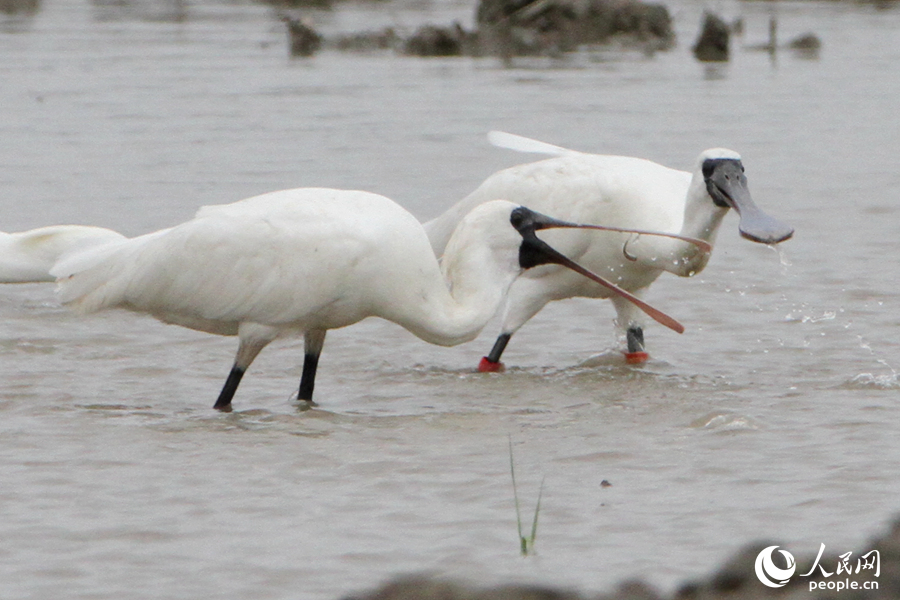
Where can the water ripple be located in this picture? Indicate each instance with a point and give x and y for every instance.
(724, 422)
(872, 381)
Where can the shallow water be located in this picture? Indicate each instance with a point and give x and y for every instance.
(774, 416)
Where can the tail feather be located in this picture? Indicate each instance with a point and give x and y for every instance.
(441, 228)
(28, 256)
(519, 143)
(98, 277)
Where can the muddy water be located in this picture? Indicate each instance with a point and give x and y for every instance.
(774, 416)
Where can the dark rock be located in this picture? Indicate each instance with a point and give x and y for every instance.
(735, 580)
(421, 588)
(712, 44)
(384, 39)
(20, 7)
(298, 4)
(510, 28)
(634, 590)
(522, 27)
(643, 20)
(807, 41)
(430, 40)
(303, 39)
(806, 45)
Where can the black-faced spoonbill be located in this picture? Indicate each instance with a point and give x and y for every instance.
(617, 191)
(307, 260)
(28, 256)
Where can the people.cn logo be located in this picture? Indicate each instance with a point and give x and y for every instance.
(771, 575)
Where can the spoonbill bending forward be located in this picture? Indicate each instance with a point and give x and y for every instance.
(308, 260)
(614, 191)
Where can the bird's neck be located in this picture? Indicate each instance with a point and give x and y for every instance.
(701, 220)
(477, 286)
(474, 285)
(701, 216)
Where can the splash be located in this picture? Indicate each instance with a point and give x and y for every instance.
(871, 381)
(886, 381)
(828, 315)
(725, 422)
(796, 316)
(782, 256)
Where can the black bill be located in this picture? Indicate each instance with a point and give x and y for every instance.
(534, 252)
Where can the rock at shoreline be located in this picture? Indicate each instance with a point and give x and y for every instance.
(20, 7)
(736, 579)
(807, 41)
(512, 28)
(430, 40)
(383, 39)
(806, 45)
(712, 44)
(522, 27)
(303, 39)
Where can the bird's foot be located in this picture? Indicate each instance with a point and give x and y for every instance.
(225, 408)
(489, 366)
(636, 358)
(303, 404)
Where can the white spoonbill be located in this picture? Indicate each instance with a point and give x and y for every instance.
(307, 260)
(28, 256)
(618, 191)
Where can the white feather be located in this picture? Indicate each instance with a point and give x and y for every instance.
(511, 141)
(28, 256)
(303, 261)
(613, 191)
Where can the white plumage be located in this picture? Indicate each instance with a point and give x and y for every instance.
(615, 191)
(307, 260)
(28, 256)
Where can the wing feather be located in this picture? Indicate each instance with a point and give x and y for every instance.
(275, 259)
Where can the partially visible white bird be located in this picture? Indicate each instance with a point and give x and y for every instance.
(307, 260)
(617, 191)
(28, 256)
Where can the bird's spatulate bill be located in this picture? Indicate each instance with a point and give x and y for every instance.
(702, 244)
(727, 186)
(535, 251)
(757, 226)
(656, 314)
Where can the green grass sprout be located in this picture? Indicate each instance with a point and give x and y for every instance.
(526, 543)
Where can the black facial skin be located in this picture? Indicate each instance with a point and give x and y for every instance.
(533, 251)
(727, 170)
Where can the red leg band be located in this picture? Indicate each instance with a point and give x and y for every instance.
(636, 358)
(487, 366)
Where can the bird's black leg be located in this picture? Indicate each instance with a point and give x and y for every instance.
(636, 354)
(313, 342)
(308, 379)
(635, 337)
(491, 362)
(228, 390)
(253, 338)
